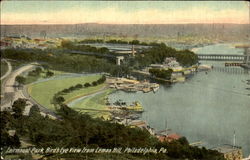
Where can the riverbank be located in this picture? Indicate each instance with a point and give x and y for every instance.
(207, 107)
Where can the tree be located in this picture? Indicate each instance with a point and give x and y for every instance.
(45, 66)
(59, 100)
(12, 141)
(104, 50)
(161, 73)
(78, 86)
(34, 110)
(94, 83)
(87, 84)
(49, 74)
(38, 70)
(18, 107)
(67, 44)
(135, 42)
(20, 80)
(5, 118)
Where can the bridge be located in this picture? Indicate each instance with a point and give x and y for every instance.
(245, 58)
(221, 57)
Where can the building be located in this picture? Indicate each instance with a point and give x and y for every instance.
(171, 62)
(4, 45)
(167, 136)
(230, 152)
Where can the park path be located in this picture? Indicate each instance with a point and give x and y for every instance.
(9, 69)
(11, 93)
(80, 98)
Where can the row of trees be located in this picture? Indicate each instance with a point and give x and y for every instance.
(75, 63)
(85, 48)
(58, 97)
(116, 41)
(35, 72)
(21, 80)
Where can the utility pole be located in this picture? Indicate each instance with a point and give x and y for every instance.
(166, 126)
(234, 140)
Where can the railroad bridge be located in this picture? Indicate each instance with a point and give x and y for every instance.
(245, 58)
(221, 57)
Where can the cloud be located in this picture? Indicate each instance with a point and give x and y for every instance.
(115, 16)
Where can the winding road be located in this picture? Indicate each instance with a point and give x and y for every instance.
(9, 90)
(9, 69)
(11, 93)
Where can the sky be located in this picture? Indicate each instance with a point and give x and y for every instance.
(123, 12)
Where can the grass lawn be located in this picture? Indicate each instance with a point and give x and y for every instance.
(82, 92)
(29, 79)
(97, 102)
(44, 91)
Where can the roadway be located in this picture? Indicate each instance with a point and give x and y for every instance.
(11, 93)
(9, 69)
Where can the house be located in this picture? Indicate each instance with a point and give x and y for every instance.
(230, 152)
(4, 44)
(138, 123)
(167, 135)
(171, 62)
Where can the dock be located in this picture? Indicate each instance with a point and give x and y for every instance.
(129, 85)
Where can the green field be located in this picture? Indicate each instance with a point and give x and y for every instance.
(43, 92)
(82, 92)
(30, 79)
(97, 102)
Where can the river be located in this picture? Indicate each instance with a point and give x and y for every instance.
(207, 107)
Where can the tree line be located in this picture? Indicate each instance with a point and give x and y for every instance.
(57, 60)
(118, 41)
(58, 97)
(34, 74)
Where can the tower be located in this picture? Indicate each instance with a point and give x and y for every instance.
(133, 50)
(234, 140)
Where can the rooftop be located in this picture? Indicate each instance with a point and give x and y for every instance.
(226, 148)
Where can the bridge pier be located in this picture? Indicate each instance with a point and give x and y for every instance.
(247, 56)
(119, 59)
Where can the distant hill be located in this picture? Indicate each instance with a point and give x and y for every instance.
(227, 32)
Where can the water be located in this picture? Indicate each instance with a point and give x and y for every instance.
(207, 107)
(219, 49)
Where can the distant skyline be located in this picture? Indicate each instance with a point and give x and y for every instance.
(124, 12)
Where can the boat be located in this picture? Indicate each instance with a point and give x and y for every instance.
(136, 106)
(155, 88)
(204, 67)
